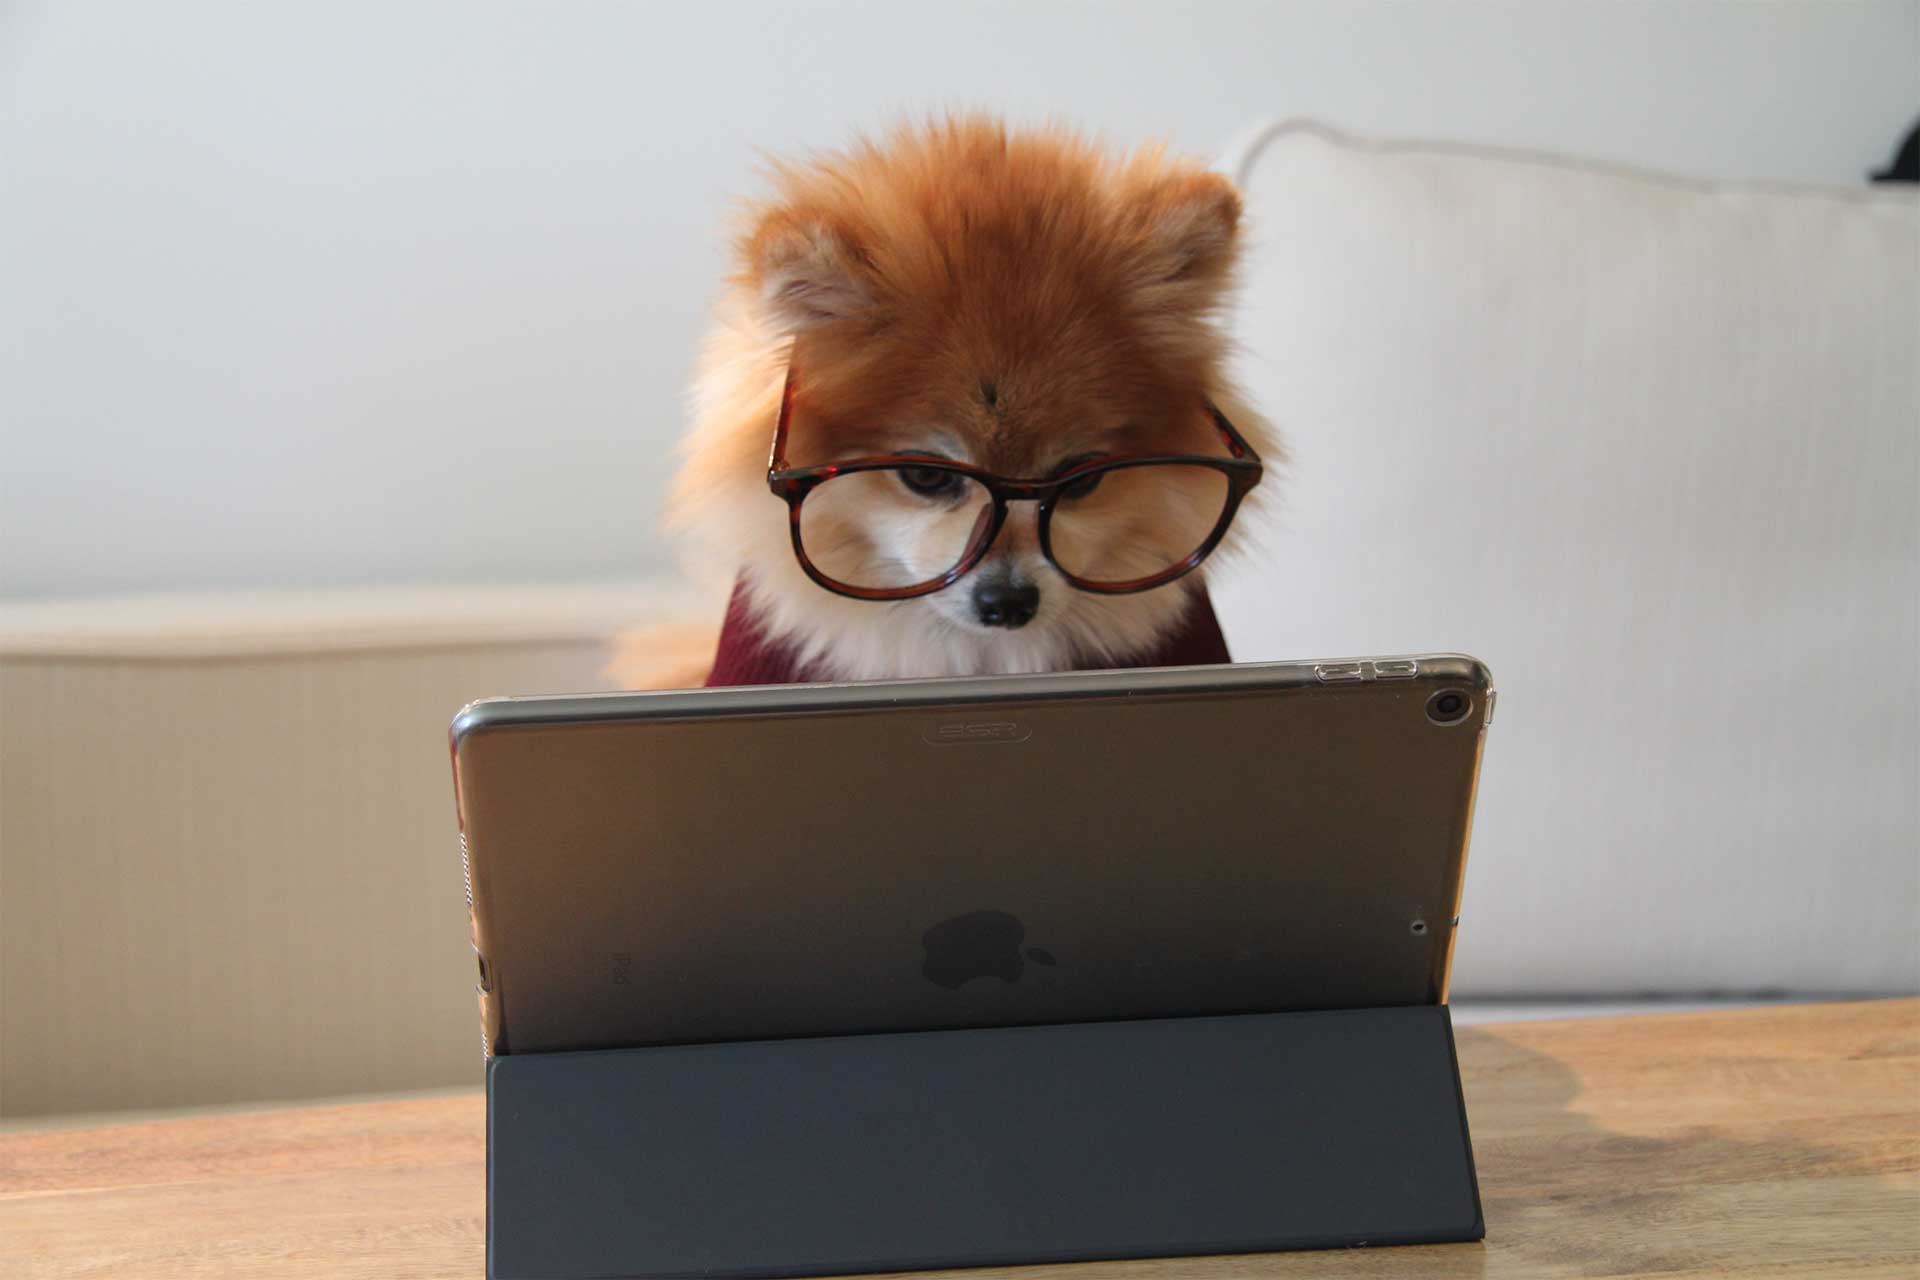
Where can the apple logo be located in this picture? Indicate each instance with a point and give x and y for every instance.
(980, 944)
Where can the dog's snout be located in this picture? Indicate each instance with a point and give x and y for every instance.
(1002, 602)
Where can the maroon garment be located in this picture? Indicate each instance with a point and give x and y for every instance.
(747, 656)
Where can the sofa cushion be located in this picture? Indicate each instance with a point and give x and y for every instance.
(1646, 446)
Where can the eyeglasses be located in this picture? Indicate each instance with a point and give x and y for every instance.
(896, 526)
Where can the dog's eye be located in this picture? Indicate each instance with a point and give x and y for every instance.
(930, 482)
(1086, 484)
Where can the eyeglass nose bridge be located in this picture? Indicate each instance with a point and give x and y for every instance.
(993, 518)
(1027, 490)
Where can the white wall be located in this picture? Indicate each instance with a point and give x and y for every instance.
(374, 292)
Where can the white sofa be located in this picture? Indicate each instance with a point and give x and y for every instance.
(1651, 449)
(228, 863)
(1646, 446)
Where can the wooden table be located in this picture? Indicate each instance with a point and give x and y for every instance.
(1780, 1142)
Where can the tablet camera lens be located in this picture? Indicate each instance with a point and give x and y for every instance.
(1449, 706)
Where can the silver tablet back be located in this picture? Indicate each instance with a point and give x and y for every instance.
(811, 860)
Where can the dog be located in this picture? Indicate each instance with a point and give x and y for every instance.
(1017, 304)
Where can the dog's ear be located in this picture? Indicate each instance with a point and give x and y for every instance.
(807, 270)
(1190, 223)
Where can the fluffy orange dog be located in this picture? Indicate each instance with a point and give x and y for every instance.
(1007, 436)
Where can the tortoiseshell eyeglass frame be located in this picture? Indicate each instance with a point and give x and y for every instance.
(1242, 469)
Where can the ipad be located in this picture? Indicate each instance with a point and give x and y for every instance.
(808, 860)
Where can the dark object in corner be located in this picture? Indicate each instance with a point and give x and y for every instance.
(1906, 161)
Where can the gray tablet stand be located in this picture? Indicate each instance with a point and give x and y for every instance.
(970, 1148)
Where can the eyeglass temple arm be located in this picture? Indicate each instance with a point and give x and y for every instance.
(777, 456)
(1236, 443)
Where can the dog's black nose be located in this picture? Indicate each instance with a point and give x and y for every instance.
(1001, 602)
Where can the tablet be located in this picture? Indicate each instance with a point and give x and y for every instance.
(808, 860)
